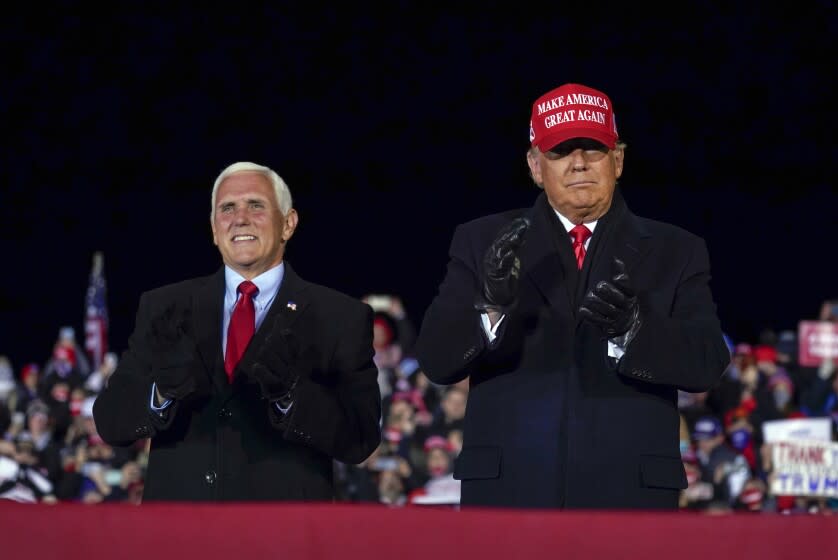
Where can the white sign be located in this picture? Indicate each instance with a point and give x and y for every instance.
(818, 429)
(804, 468)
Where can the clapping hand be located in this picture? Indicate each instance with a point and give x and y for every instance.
(612, 305)
(275, 367)
(502, 267)
(172, 352)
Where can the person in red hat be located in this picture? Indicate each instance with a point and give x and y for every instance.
(439, 486)
(26, 389)
(576, 322)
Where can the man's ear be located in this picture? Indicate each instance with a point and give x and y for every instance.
(533, 161)
(291, 221)
(619, 158)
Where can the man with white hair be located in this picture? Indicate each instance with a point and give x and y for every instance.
(251, 381)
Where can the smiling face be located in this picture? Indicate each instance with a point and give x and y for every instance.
(579, 177)
(247, 226)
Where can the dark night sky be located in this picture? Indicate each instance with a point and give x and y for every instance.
(392, 128)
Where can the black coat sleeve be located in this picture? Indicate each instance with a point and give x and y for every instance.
(451, 338)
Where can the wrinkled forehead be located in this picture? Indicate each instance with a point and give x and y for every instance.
(247, 189)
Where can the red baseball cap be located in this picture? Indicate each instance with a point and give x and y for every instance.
(572, 111)
(765, 353)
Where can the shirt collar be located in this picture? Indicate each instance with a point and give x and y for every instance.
(568, 225)
(268, 283)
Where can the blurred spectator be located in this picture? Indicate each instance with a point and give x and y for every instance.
(95, 459)
(63, 367)
(431, 394)
(721, 466)
(752, 496)
(777, 380)
(821, 399)
(37, 431)
(92, 469)
(126, 484)
(380, 478)
(698, 494)
(393, 337)
(740, 433)
(455, 441)
(388, 352)
(747, 387)
(20, 479)
(440, 486)
(391, 490)
(97, 380)
(83, 427)
(449, 416)
(693, 406)
(7, 379)
(66, 340)
(410, 398)
(5, 421)
(684, 438)
(829, 311)
(787, 349)
(413, 385)
(399, 428)
(61, 377)
(391, 306)
(26, 390)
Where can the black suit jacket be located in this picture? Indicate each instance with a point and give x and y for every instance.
(551, 420)
(225, 442)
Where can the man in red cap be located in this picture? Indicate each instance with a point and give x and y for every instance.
(576, 322)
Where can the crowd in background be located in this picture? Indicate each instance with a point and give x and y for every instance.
(50, 450)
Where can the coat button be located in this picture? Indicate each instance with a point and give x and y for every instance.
(224, 413)
(210, 477)
(142, 431)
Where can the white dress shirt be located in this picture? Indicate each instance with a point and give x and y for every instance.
(268, 284)
(614, 350)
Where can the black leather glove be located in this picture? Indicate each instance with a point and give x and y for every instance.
(275, 367)
(502, 267)
(172, 353)
(612, 306)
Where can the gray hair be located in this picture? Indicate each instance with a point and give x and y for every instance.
(283, 195)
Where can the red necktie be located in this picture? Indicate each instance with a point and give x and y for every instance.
(242, 326)
(580, 234)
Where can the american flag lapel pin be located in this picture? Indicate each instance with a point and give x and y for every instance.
(291, 305)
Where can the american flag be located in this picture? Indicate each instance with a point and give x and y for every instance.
(96, 316)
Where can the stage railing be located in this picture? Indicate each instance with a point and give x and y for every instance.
(372, 532)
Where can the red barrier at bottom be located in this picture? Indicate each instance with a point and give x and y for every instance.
(371, 532)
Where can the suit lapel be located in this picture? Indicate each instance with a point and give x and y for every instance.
(625, 239)
(541, 260)
(541, 257)
(290, 303)
(291, 300)
(207, 304)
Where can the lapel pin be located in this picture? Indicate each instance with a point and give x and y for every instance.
(291, 305)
